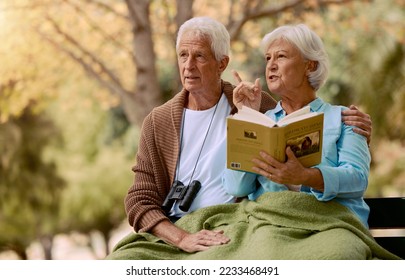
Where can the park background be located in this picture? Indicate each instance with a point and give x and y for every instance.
(77, 77)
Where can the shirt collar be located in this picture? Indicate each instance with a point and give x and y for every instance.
(314, 105)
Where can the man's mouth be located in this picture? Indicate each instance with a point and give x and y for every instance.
(191, 77)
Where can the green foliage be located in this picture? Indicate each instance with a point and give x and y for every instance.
(30, 187)
(388, 176)
(116, 125)
(95, 160)
(366, 47)
(375, 73)
(95, 197)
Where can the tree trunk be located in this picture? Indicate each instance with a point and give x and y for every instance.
(20, 251)
(47, 245)
(147, 92)
(106, 238)
(184, 13)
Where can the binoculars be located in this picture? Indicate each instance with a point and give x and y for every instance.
(184, 194)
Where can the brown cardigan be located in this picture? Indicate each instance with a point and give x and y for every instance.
(156, 159)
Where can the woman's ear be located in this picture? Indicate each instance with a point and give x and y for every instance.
(311, 66)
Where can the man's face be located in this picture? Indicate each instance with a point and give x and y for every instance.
(199, 70)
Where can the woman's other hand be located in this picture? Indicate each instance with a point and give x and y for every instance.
(246, 93)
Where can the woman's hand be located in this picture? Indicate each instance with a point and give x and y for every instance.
(282, 173)
(246, 93)
(360, 120)
(291, 172)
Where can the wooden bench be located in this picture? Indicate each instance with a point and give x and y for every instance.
(387, 223)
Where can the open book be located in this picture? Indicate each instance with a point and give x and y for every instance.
(249, 132)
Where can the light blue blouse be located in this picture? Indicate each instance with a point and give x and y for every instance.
(345, 165)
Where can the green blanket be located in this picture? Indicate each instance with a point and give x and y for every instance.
(279, 225)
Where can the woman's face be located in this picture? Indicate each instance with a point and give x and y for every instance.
(286, 69)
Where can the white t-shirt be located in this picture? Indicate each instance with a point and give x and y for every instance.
(212, 161)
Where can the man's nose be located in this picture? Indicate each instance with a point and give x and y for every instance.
(190, 62)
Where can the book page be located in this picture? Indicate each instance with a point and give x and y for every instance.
(284, 122)
(253, 116)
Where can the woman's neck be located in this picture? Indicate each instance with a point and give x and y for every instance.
(297, 102)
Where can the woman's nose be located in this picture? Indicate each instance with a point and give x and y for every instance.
(271, 65)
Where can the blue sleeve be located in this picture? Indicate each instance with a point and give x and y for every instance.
(238, 183)
(345, 164)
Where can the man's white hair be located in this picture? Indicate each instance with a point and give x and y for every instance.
(208, 28)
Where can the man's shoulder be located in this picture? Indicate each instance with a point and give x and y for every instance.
(177, 101)
(168, 112)
(227, 86)
(267, 103)
(331, 108)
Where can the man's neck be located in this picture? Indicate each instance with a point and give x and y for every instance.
(200, 102)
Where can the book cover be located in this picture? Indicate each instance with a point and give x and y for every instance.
(249, 132)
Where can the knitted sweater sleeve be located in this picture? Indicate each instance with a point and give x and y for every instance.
(144, 199)
(267, 103)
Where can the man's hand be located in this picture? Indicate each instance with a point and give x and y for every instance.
(189, 242)
(360, 120)
(246, 93)
(202, 240)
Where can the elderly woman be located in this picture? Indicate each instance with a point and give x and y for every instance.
(296, 67)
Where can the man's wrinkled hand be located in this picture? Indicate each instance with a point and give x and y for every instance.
(202, 240)
(361, 121)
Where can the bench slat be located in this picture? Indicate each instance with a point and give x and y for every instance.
(388, 213)
(395, 245)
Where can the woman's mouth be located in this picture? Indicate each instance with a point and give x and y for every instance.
(273, 77)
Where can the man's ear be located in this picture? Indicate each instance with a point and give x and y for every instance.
(223, 64)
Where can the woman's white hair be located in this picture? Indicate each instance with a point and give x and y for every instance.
(208, 28)
(310, 46)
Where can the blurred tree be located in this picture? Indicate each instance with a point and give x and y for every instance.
(386, 80)
(30, 187)
(371, 65)
(137, 83)
(94, 201)
(93, 161)
(32, 70)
